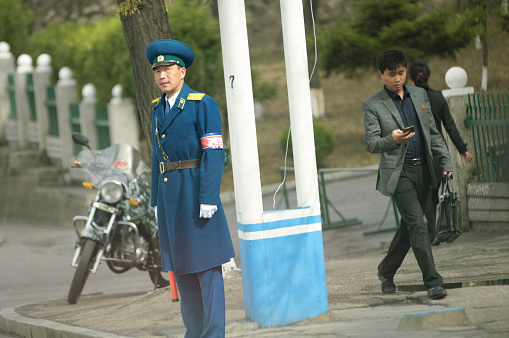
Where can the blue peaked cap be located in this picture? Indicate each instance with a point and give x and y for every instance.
(169, 52)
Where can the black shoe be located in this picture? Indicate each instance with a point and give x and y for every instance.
(435, 242)
(387, 284)
(437, 292)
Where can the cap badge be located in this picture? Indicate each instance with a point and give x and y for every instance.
(160, 58)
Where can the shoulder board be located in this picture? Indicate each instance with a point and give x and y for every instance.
(156, 101)
(195, 96)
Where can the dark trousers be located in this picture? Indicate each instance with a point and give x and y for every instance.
(202, 303)
(411, 198)
(430, 211)
(431, 208)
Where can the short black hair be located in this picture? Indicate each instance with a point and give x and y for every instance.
(391, 59)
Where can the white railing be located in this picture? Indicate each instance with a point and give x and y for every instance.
(22, 132)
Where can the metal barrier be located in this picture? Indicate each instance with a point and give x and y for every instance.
(75, 124)
(11, 88)
(488, 115)
(51, 103)
(103, 127)
(31, 97)
(326, 204)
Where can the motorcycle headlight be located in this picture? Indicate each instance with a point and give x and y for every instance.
(111, 191)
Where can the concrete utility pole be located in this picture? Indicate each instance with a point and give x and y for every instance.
(281, 252)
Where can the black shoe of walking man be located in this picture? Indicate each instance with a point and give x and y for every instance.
(437, 292)
(388, 285)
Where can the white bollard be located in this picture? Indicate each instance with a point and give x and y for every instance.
(42, 76)
(24, 66)
(65, 93)
(6, 67)
(122, 119)
(87, 114)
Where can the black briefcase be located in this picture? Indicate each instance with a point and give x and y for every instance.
(448, 213)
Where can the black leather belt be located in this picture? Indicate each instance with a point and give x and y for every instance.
(178, 165)
(414, 161)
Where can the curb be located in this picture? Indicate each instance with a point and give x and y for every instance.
(446, 317)
(13, 323)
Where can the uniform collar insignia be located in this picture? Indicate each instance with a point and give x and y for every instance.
(182, 102)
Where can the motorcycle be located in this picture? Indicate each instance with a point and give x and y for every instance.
(120, 228)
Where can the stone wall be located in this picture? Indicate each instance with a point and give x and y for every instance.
(36, 196)
(484, 206)
(488, 206)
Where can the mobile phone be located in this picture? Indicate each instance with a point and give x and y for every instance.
(408, 129)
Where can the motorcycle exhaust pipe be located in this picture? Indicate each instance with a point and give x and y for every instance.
(173, 287)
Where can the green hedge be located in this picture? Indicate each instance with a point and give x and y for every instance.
(325, 142)
(16, 18)
(96, 54)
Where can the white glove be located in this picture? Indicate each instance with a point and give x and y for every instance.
(207, 210)
(155, 211)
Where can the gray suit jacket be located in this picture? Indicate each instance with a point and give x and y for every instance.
(381, 117)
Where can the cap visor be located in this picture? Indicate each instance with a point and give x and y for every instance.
(164, 63)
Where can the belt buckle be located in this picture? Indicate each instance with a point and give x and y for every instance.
(416, 161)
(161, 167)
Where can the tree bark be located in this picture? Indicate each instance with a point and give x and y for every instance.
(148, 24)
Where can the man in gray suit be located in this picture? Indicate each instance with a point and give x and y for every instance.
(399, 124)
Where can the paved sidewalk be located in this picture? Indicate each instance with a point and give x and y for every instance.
(472, 267)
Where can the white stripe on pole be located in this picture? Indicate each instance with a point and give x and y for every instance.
(281, 232)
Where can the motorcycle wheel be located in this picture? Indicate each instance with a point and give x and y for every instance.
(82, 271)
(158, 280)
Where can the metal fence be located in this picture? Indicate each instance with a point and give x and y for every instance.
(488, 115)
(329, 212)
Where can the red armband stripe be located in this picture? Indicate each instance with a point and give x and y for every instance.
(212, 141)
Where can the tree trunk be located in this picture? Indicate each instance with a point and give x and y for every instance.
(148, 23)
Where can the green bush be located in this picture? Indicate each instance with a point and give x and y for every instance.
(16, 17)
(325, 142)
(353, 42)
(193, 24)
(96, 54)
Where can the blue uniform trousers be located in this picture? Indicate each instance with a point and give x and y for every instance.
(202, 302)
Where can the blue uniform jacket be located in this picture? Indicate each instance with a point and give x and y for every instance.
(189, 243)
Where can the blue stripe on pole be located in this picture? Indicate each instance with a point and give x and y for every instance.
(283, 277)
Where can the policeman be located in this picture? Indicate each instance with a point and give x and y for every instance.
(187, 166)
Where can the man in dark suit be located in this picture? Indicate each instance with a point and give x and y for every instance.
(406, 165)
